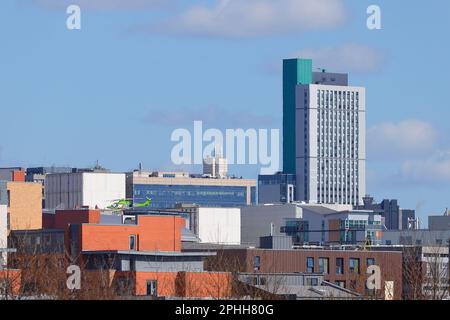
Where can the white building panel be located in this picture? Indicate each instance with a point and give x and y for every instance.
(71, 190)
(99, 189)
(3, 233)
(219, 225)
(330, 135)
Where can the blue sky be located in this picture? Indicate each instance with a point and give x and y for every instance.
(109, 91)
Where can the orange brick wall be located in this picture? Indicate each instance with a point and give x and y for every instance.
(18, 175)
(153, 233)
(185, 284)
(166, 283)
(14, 277)
(160, 233)
(207, 284)
(25, 210)
(334, 236)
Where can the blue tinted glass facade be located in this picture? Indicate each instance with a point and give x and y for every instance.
(167, 196)
(276, 179)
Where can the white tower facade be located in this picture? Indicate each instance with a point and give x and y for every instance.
(216, 167)
(330, 144)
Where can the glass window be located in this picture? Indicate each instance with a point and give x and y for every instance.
(132, 242)
(256, 262)
(340, 283)
(370, 262)
(339, 265)
(152, 288)
(323, 265)
(313, 282)
(310, 265)
(353, 265)
(167, 196)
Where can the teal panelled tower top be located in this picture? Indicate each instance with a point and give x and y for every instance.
(295, 72)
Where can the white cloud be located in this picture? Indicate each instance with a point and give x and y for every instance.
(414, 149)
(435, 169)
(409, 138)
(105, 4)
(346, 58)
(250, 18)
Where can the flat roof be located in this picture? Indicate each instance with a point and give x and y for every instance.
(144, 180)
(38, 231)
(211, 246)
(337, 249)
(152, 253)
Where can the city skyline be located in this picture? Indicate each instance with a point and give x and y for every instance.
(106, 92)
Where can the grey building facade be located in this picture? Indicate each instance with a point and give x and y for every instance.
(439, 222)
(261, 220)
(428, 238)
(143, 261)
(276, 188)
(395, 218)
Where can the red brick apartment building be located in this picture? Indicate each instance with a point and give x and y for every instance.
(346, 268)
(140, 255)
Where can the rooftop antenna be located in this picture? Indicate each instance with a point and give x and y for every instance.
(140, 166)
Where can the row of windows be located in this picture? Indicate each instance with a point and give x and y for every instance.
(324, 265)
(167, 196)
(338, 99)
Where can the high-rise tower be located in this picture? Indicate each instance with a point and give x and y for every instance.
(328, 132)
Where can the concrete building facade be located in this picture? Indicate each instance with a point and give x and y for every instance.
(323, 134)
(311, 223)
(167, 190)
(439, 222)
(216, 225)
(79, 189)
(324, 226)
(277, 188)
(3, 234)
(395, 218)
(261, 220)
(215, 167)
(330, 130)
(424, 237)
(38, 175)
(296, 286)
